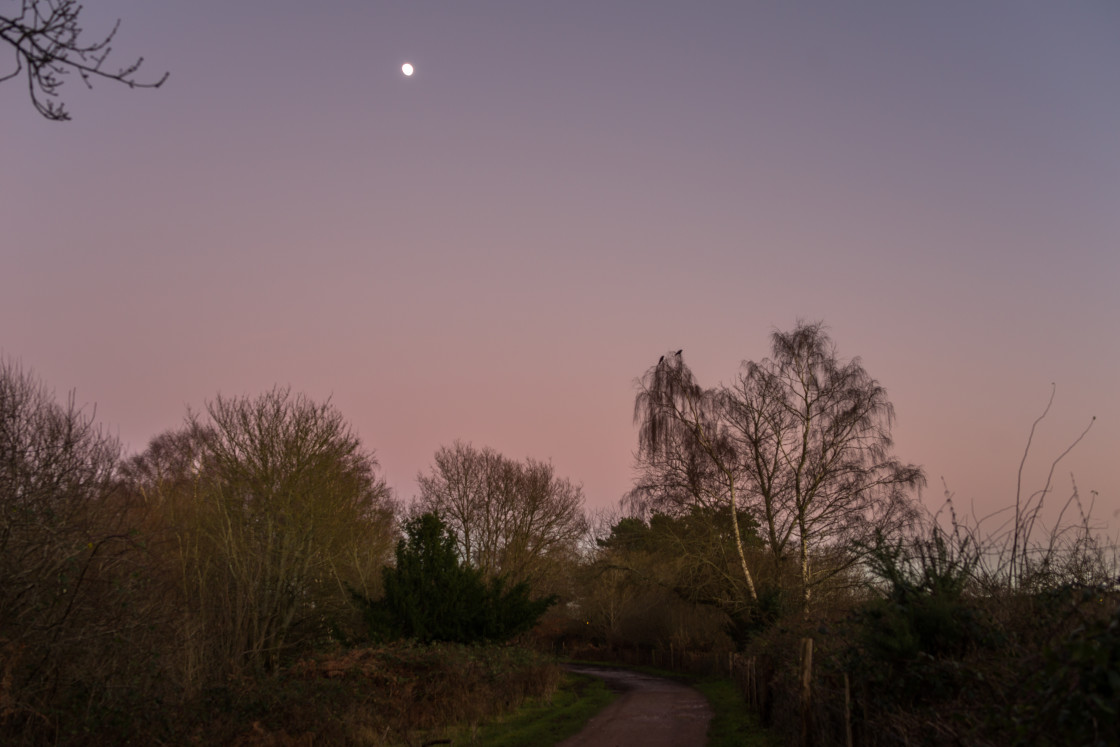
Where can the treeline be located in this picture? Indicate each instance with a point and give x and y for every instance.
(239, 550)
(128, 585)
(257, 533)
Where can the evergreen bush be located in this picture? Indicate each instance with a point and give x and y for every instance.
(432, 595)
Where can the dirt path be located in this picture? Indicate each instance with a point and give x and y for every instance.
(651, 712)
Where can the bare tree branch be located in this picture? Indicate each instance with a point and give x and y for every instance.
(48, 45)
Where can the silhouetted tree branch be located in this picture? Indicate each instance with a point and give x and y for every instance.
(49, 44)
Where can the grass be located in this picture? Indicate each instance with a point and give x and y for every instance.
(545, 722)
(733, 724)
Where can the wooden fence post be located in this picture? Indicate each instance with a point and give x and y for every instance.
(847, 711)
(806, 689)
(752, 683)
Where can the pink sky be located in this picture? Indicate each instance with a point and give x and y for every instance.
(495, 248)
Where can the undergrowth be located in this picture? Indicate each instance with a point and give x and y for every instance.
(397, 694)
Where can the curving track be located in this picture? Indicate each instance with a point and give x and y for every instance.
(651, 712)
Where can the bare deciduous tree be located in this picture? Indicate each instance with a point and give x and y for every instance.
(801, 441)
(292, 494)
(277, 512)
(815, 436)
(49, 43)
(510, 518)
(73, 573)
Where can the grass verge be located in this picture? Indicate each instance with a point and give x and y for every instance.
(544, 721)
(733, 724)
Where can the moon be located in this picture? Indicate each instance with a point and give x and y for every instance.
(407, 69)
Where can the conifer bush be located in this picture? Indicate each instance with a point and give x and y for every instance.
(432, 595)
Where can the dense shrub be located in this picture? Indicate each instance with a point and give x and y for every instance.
(1076, 693)
(396, 694)
(912, 640)
(938, 654)
(432, 595)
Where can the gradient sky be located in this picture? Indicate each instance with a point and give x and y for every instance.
(494, 249)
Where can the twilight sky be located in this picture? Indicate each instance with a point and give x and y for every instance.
(497, 247)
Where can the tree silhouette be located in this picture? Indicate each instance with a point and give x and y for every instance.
(680, 422)
(49, 44)
(274, 508)
(512, 518)
(432, 595)
(801, 441)
(815, 435)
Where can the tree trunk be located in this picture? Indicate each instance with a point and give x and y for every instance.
(739, 538)
(804, 551)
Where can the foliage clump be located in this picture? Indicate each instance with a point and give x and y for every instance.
(383, 695)
(912, 639)
(1078, 686)
(433, 595)
(674, 578)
